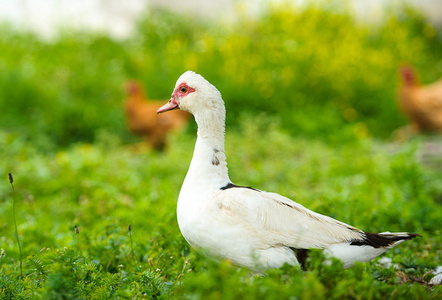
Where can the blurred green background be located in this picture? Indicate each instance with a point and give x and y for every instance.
(314, 69)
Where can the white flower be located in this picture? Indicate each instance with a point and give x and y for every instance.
(385, 261)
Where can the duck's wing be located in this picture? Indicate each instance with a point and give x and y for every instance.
(281, 221)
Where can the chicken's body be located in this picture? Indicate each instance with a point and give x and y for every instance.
(143, 120)
(421, 104)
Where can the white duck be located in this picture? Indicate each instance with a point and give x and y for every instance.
(252, 228)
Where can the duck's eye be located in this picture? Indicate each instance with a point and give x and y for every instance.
(183, 89)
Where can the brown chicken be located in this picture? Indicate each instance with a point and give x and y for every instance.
(421, 104)
(143, 120)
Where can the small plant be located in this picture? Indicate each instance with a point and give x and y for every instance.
(11, 181)
(77, 232)
(131, 243)
(2, 254)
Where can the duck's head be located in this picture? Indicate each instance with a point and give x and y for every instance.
(194, 94)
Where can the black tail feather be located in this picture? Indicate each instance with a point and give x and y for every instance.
(377, 240)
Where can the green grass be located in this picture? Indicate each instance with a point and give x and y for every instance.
(310, 111)
(102, 188)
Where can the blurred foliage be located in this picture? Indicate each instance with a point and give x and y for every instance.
(315, 68)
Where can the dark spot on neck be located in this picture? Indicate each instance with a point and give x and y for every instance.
(215, 150)
(231, 185)
(215, 161)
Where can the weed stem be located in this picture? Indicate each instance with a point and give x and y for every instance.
(77, 232)
(131, 244)
(11, 181)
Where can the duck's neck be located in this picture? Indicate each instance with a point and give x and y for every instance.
(208, 168)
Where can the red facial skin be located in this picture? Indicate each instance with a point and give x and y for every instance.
(181, 91)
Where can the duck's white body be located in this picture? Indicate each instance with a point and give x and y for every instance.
(250, 227)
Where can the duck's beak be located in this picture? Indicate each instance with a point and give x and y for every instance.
(171, 105)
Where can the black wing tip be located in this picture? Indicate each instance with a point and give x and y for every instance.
(377, 240)
(413, 235)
